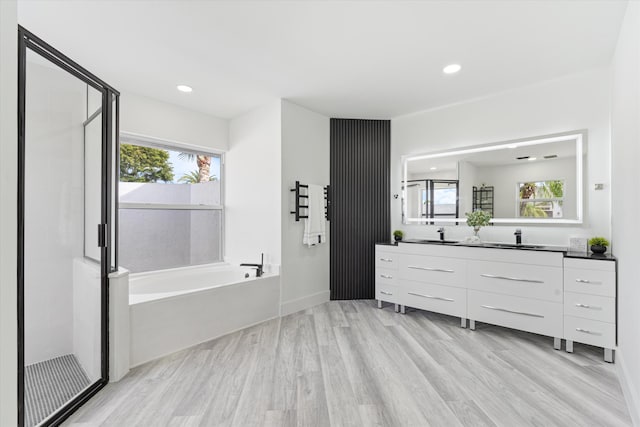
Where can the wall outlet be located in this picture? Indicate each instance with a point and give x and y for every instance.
(578, 244)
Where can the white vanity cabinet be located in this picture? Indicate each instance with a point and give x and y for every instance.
(432, 281)
(537, 291)
(590, 303)
(520, 289)
(386, 282)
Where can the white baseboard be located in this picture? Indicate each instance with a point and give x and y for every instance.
(299, 304)
(630, 393)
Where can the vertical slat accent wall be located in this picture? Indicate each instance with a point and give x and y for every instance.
(360, 207)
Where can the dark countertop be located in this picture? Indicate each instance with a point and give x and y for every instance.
(387, 243)
(524, 247)
(588, 255)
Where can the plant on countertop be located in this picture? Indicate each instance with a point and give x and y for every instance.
(598, 241)
(398, 235)
(598, 245)
(477, 219)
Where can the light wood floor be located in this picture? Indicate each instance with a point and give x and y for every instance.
(347, 363)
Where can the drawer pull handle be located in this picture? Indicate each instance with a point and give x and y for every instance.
(592, 307)
(514, 279)
(384, 276)
(442, 270)
(432, 297)
(386, 260)
(512, 311)
(588, 281)
(586, 331)
(386, 293)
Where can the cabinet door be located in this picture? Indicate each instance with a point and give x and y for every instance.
(526, 314)
(533, 281)
(430, 269)
(591, 332)
(437, 298)
(387, 260)
(592, 307)
(594, 282)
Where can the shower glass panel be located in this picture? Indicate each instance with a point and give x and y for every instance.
(65, 203)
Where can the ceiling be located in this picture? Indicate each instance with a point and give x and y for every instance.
(501, 157)
(358, 59)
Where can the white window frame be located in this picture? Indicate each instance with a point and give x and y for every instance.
(152, 142)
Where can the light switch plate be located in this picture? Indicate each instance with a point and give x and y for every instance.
(578, 244)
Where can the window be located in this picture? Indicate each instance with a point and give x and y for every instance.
(540, 199)
(430, 198)
(171, 209)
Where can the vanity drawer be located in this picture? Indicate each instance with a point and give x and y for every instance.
(600, 334)
(595, 282)
(521, 280)
(440, 299)
(592, 307)
(386, 260)
(387, 277)
(540, 317)
(388, 293)
(430, 269)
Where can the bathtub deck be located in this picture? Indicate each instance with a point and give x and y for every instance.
(347, 363)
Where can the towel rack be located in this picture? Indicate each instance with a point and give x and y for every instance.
(300, 206)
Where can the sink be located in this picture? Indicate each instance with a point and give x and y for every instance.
(511, 246)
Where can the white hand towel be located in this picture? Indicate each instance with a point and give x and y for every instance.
(314, 226)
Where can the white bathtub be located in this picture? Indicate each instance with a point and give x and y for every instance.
(175, 309)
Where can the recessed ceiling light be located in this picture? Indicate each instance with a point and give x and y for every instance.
(433, 168)
(184, 88)
(451, 69)
(531, 159)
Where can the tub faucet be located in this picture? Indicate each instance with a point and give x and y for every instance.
(441, 231)
(518, 235)
(259, 267)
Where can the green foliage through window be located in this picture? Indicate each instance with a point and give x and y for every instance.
(144, 164)
(541, 199)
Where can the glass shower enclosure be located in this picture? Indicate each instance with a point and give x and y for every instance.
(67, 145)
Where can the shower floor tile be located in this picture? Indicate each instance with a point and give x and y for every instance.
(49, 385)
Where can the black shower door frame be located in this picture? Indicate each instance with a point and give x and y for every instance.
(110, 131)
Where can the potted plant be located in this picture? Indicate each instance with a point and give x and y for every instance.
(598, 245)
(477, 219)
(398, 235)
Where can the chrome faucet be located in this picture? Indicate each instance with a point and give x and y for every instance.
(441, 231)
(518, 235)
(259, 267)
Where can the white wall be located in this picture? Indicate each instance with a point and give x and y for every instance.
(305, 158)
(8, 219)
(253, 186)
(625, 150)
(574, 102)
(148, 117)
(54, 208)
(87, 336)
(468, 178)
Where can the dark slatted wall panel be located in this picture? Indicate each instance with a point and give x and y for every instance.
(360, 207)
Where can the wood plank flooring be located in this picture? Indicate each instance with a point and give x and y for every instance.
(348, 363)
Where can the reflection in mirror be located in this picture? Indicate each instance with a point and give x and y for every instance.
(432, 190)
(526, 181)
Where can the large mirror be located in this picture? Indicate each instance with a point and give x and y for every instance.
(534, 180)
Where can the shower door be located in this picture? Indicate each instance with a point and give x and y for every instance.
(67, 142)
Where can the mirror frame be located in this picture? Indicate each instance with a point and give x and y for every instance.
(579, 137)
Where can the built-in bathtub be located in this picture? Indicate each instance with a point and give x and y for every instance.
(175, 309)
